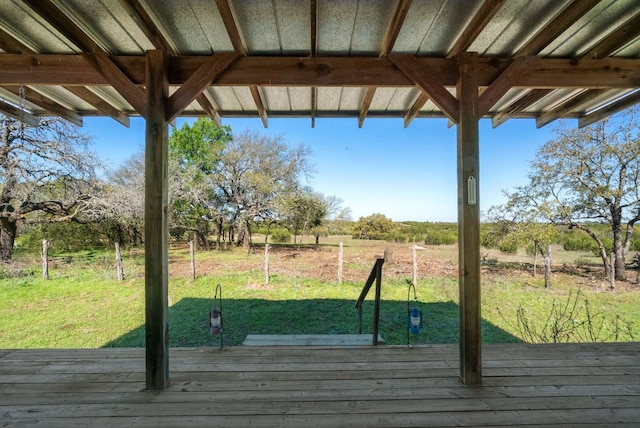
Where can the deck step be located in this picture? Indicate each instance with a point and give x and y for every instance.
(310, 340)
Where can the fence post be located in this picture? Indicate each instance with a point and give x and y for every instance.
(192, 253)
(45, 259)
(340, 261)
(613, 270)
(415, 263)
(547, 268)
(119, 269)
(266, 264)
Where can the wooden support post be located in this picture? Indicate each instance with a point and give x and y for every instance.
(469, 221)
(155, 214)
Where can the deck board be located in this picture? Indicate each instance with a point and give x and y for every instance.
(383, 386)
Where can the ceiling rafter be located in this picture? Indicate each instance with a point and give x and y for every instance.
(412, 113)
(572, 104)
(314, 105)
(479, 21)
(428, 84)
(46, 103)
(366, 103)
(239, 46)
(505, 81)
(91, 98)
(550, 32)
(19, 114)
(75, 35)
(622, 35)
(615, 107)
(569, 15)
(145, 22)
(313, 26)
(12, 45)
(519, 105)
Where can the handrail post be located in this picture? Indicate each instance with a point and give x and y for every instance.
(376, 308)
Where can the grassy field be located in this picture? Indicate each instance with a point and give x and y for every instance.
(82, 305)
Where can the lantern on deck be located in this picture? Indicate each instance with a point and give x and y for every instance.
(414, 315)
(215, 315)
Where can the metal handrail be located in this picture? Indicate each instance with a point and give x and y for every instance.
(376, 274)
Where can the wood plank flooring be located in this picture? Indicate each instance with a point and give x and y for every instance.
(386, 386)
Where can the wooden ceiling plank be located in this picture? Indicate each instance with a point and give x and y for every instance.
(394, 28)
(119, 80)
(103, 106)
(145, 22)
(622, 35)
(615, 107)
(568, 106)
(207, 73)
(507, 79)
(479, 21)
(431, 86)
(232, 28)
(366, 103)
(47, 104)
(61, 22)
(574, 11)
(519, 105)
(262, 111)
(412, 113)
(18, 114)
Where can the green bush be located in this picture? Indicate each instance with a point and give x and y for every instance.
(281, 236)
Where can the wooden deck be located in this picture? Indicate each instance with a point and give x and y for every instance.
(384, 386)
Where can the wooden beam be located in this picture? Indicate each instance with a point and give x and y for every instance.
(546, 73)
(61, 22)
(394, 28)
(47, 104)
(207, 73)
(571, 13)
(469, 223)
(622, 35)
(103, 106)
(507, 79)
(155, 231)
(415, 108)
(429, 85)
(18, 114)
(366, 103)
(479, 21)
(119, 80)
(615, 107)
(568, 106)
(262, 111)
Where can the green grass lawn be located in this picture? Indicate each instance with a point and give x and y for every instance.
(82, 305)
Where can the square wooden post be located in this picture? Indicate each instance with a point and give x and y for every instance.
(469, 221)
(155, 217)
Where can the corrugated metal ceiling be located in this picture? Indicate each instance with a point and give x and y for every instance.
(320, 28)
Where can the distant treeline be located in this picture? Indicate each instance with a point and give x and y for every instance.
(66, 237)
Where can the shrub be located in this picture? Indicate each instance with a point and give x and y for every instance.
(281, 236)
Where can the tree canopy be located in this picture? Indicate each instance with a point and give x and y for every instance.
(583, 177)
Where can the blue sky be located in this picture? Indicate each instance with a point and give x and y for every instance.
(403, 173)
